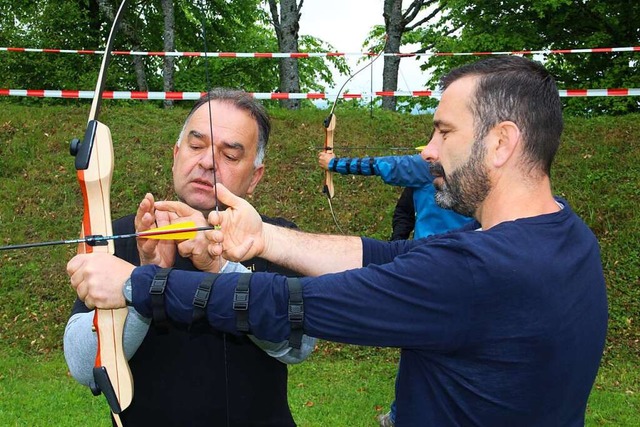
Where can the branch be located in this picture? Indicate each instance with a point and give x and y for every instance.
(412, 11)
(423, 20)
(275, 18)
(414, 8)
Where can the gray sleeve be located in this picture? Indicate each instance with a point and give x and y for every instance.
(284, 352)
(81, 343)
(281, 350)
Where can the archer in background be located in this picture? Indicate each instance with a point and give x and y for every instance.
(416, 209)
(197, 376)
(403, 171)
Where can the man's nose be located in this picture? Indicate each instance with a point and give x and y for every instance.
(207, 159)
(430, 151)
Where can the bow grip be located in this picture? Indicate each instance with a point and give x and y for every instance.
(330, 125)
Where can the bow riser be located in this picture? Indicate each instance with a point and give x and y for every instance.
(95, 184)
(330, 126)
(111, 371)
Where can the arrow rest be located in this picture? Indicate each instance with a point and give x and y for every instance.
(327, 121)
(96, 240)
(82, 150)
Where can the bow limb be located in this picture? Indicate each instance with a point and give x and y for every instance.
(94, 165)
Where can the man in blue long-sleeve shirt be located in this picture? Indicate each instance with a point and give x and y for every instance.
(411, 172)
(501, 323)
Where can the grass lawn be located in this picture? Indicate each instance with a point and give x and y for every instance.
(596, 171)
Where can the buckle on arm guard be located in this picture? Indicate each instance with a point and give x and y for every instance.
(296, 311)
(241, 302)
(156, 291)
(201, 298)
(334, 164)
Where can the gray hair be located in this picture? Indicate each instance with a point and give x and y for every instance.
(242, 101)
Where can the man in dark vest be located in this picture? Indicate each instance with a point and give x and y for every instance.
(198, 376)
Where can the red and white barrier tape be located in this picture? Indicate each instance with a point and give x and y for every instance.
(323, 54)
(184, 96)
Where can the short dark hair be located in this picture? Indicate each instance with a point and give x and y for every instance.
(242, 101)
(522, 91)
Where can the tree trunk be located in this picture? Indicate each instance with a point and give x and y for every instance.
(287, 26)
(397, 22)
(393, 22)
(169, 46)
(95, 23)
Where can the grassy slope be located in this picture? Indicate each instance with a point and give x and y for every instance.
(596, 171)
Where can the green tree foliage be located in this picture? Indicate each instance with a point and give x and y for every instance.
(511, 25)
(229, 26)
(48, 24)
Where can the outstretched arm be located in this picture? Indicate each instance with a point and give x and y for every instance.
(242, 235)
(98, 280)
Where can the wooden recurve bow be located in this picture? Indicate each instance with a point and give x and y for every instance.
(330, 126)
(94, 165)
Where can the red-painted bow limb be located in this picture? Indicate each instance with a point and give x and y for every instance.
(94, 165)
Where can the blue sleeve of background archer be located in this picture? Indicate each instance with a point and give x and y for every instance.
(403, 171)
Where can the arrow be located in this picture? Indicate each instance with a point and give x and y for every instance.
(178, 231)
(371, 148)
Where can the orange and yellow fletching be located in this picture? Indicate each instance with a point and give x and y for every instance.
(179, 231)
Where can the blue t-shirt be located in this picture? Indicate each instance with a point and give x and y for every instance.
(503, 327)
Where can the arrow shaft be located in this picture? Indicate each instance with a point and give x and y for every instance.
(39, 244)
(93, 240)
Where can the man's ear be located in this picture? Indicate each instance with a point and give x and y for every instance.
(507, 140)
(258, 172)
(176, 147)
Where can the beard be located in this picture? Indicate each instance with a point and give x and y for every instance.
(467, 186)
